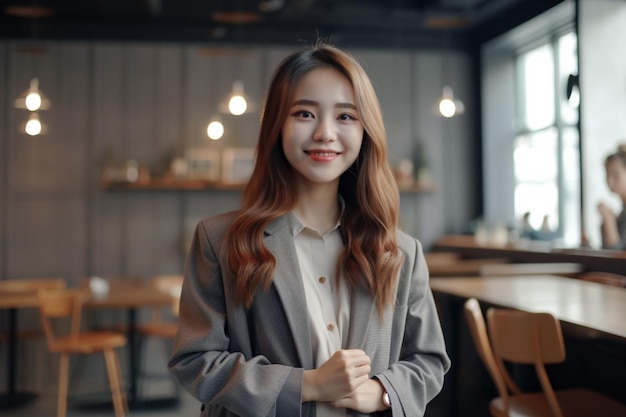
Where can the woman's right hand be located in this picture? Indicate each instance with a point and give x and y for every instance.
(340, 375)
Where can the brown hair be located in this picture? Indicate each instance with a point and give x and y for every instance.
(620, 155)
(369, 224)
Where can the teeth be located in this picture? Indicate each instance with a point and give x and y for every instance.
(323, 153)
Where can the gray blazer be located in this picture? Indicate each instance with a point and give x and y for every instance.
(249, 362)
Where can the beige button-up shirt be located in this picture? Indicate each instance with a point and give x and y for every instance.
(327, 296)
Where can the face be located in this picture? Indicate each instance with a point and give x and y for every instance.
(616, 176)
(322, 134)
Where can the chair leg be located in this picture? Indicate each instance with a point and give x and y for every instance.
(119, 400)
(118, 368)
(63, 375)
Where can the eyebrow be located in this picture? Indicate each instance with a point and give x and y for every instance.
(315, 103)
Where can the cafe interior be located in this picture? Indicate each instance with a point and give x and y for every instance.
(125, 122)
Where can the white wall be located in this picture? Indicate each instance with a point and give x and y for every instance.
(602, 43)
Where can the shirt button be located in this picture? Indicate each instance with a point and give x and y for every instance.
(330, 327)
(322, 280)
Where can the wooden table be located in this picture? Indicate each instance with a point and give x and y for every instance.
(462, 267)
(534, 251)
(593, 318)
(592, 306)
(133, 295)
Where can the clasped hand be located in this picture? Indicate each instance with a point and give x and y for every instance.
(343, 380)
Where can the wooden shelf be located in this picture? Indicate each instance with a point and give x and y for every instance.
(199, 185)
(170, 184)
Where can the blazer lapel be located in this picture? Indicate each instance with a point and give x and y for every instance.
(288, 283)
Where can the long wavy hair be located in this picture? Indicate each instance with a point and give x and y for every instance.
(370, 257)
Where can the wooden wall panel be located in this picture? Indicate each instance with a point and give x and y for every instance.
(47, 238)
(47, 215)
(394, 93)
(427, 89)
(109, 115)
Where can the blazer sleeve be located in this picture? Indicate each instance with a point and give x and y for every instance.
(418, 374)
(227, 382)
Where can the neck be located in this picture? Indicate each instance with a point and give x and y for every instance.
(318, 206)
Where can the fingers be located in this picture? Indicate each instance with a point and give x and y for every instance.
(341, 374)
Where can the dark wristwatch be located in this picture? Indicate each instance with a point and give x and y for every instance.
(386, 399)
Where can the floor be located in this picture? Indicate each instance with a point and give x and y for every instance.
(45, 405)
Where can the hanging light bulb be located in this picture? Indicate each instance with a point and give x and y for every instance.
(32, 99)
(215, 129)
(237, 104)
(33, 126)
(448, 106)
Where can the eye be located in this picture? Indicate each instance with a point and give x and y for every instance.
(346, 117)
(305, 114)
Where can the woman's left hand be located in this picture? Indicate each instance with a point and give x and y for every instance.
(367, 398)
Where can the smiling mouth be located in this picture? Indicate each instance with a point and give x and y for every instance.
(322, 153)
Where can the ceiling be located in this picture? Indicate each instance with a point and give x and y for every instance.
(372, 23)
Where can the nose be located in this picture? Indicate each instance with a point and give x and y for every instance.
(325, 131)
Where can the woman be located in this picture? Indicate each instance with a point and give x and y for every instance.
(614, 226)
(309, 301)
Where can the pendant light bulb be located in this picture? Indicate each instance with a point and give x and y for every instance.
(215, 130)
(32, 99)
(237, 104)
(33, 126)
(448, 106)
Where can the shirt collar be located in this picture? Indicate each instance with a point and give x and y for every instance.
(296, 225)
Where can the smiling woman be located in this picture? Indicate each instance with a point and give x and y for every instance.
(311, 290)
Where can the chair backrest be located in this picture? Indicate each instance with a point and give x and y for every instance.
(501, 378)
(524, 337)
(169, 284)
(528, 338)
(60, 305)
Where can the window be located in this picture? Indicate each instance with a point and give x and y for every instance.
(546, 146)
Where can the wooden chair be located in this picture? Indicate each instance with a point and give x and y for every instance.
(159, 326)
(163, 323)
(504, 383)
(29, 287)
(536, 339)
(56, 306)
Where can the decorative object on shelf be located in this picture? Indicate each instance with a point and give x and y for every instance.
(129, 172)
(404, 173)
(203, 164)
(178, 168)
(237, 165)
(421, 166)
